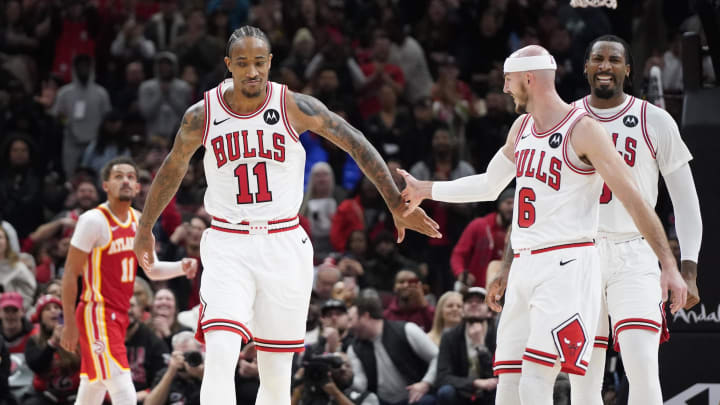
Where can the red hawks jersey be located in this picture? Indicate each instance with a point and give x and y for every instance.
(254, 163)
(109, 275)
(649, 142)
(556, 195)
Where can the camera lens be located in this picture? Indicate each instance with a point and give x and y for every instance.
(193, 358)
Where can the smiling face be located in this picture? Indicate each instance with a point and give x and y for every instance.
(164, 303)
(452, 310)
(249, 63)
(606, 69)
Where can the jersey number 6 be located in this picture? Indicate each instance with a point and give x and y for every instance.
(526, 209)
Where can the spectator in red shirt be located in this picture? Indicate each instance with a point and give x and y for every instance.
(408, 303)
(482, 241)
(379, 72)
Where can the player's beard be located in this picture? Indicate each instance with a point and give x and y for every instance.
(521, 100)
(254, 94)
(607, 92)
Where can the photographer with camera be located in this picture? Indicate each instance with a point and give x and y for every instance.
(327, 379)
(180, 381)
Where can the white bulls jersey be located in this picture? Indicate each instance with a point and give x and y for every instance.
(557, 195)
(649, 142)
(254, 163)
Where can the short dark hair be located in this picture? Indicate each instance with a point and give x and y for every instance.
(120, 160)
(628, 56)
(246, 31)
(369, 304)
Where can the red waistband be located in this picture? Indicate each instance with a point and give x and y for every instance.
(557, 247)
(256, 227)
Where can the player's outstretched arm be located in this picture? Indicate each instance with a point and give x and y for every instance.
(308, 113)
(167, 180)
(590, 141)
(479, 187)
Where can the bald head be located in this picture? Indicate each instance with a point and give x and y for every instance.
(547, 74)
(529, 71)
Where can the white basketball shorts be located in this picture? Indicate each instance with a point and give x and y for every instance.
(256, 285)
(551, 308)
(630, 288)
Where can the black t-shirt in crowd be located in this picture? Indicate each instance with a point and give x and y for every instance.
(183, 391)
(145, 355)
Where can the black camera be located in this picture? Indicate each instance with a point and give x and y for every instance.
(193, 358)
(318, 366)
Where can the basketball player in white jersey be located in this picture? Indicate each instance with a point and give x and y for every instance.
(258, 261)
(557, 155)
(648, 140)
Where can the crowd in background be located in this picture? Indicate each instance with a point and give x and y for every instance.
(83, 81)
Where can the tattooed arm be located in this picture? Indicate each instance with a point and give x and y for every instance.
(307, 113)
(167, 180)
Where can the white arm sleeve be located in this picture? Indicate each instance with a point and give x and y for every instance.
(480, 187)
(165, 270)
(686, 207)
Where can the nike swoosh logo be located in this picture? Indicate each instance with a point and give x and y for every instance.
(304, 240)
(114, 228)
(562, 263)
(216, 122)
(524, 136)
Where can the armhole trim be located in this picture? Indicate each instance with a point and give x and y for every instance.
(522, 128)
(283, 109)
(643, 125)
(566, 144)
(206, 100)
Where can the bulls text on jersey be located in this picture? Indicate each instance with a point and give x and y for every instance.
(532, 163)
(234, 145)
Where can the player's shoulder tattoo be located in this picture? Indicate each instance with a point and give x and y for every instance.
(309, 105)
(194, 117)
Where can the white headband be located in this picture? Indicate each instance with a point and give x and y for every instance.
(525, 63)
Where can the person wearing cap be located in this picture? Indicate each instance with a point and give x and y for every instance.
(163, 99)
(56, 371)
(16, 329)
(335, 335)
(465, 357)
(482, 241)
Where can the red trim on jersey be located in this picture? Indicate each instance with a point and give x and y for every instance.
(206, 99)
(601, 342)
(283, 112)
(227, 325)
(625, 109)
(555, 128)
(523, 124)
(566, 142)
(279, 346)
(636, 323)
(273, 222)
(268, 94)
(566, 246)
(242, 232)
(506, 367)
(643, 126)
(539, 357)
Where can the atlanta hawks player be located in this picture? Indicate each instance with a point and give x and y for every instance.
(101, 252)
(649, 143)
(257, 260)
(555, 153)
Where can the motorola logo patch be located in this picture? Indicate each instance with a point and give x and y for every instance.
(271, 117)
(555, 140)
(630, 121)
